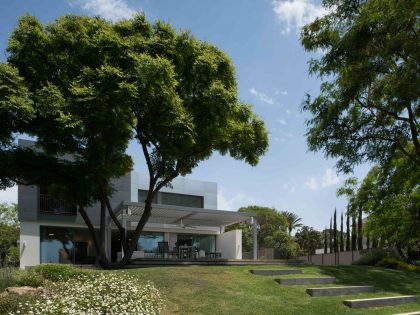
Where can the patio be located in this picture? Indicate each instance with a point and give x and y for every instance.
(184, 233)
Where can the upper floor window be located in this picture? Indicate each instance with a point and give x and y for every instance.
(173, 199)
(50, 205)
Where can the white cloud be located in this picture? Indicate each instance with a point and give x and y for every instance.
(294, 14)
(109, 9)
(330, 178)
(262, 96)
(234, 202)
(282, 121)
(277, 92)
(288, 111)
(290, 186)
(9, 195)
(311, 183)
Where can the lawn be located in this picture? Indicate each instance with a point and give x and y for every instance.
(233, 290)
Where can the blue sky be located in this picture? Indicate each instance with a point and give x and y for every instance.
(261, 37)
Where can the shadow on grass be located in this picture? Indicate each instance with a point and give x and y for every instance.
(396, 281)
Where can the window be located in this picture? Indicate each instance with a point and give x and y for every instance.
(182, 200)
(143, 196)
(49, 205)
(172, 199)
(148, 242)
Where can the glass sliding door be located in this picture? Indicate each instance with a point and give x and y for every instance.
(148, 242)
(57, 245)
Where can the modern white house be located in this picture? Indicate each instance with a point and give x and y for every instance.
(184, 224)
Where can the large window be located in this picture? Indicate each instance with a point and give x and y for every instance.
(49, 205)
(148, 241)
(165, 198)
(66, 245)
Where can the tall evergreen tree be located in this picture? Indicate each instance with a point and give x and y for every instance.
(335, 232)
(348, 247)
(331, 237)
(342, 234)
(367, 241)
(353, 233)
(325, 241)
(359, 230)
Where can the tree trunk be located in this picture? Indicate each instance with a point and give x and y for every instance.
(342, 235)
(331, 237)
(348, 232)
(359, 231)
(335, 232)
(353, 233)
(325, 242)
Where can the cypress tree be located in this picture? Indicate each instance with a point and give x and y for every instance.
(331, 235)
(353, 233)
(341, 235)
(359, 230)
(348, 232)
(335, 232)
(367, 241)
(325, 241)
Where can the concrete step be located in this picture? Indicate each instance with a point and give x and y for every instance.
(334, 291)
(274, 272)
(410, 313)
(383, 301)
(299, 281)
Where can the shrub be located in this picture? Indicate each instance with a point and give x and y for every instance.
(57, 272)
(392, 263)
(375, 255)
(106, 293)
(8, 277)
(13, 302)
(29, 278)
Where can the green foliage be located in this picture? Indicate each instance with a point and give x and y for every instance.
(9, 214)
(308, 239)
(9, 236)
(269, 221)
(284, 245)
(12, 303)
(59, 272)
(393, 263)
(8, 276)
(293, 220)
(175, 94)
(368, 107)
(374, 256)
(29, 278)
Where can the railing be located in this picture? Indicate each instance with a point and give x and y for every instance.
(49, 205)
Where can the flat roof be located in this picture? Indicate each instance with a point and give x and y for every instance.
(166, 214)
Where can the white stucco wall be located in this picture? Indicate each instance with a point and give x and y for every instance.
(230, 244)
(29, 244)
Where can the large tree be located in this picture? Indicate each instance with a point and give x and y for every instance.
(308, 239)
(93, 85)
(390, 195)
(368, 107)
(293, 220)
(269, 221)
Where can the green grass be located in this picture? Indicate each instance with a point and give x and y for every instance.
(234, 290)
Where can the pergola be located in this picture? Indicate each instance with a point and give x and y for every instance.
(129, 213)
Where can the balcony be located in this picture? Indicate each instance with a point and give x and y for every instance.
(49, 205)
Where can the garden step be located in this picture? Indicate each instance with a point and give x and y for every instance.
(274, 272)
(383, 301)
(298, 281)
(334, 291)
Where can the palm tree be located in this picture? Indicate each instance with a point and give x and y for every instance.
(293, 220)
